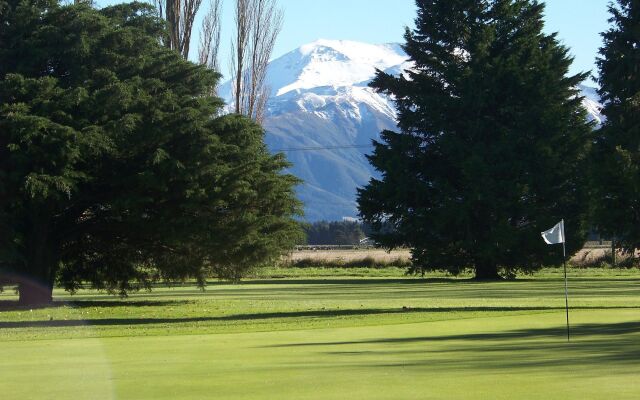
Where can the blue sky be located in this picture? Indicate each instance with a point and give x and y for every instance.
(578, 23)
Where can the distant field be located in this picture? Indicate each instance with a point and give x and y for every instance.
(376, 337)
(350, 255)
(592, 255)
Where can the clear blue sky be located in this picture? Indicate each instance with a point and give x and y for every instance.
(578, 23)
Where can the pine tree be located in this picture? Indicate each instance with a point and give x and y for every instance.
(616, 164)
(114, 169)
(491, 145)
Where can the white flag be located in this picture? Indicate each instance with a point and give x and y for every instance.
(554, 235)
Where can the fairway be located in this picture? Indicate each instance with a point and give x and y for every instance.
(333, 338)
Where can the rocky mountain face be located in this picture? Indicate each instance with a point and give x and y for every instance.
(323, 115)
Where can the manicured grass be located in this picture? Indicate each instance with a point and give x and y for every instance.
(344, 337)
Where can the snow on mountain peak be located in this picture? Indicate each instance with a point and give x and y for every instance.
(333, 63)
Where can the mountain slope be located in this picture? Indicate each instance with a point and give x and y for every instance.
(323, 116)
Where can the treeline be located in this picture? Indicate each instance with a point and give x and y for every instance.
(341, 233)
(334, 233)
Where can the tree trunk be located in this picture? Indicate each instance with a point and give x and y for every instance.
(34, 293)
(35, 287)
(486, 271)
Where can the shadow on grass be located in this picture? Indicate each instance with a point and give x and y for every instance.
(354, 281)
(279, 315)
(593, 347)
(10, 305)
(414, 280)
(622, 328)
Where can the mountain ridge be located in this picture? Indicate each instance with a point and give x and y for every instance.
(323, 115)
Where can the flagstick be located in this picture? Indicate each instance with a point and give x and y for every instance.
(557, 235)
(566, 290)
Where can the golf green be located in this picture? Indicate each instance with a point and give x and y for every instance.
(332, 339)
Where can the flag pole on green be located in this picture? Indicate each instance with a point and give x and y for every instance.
(556, 235)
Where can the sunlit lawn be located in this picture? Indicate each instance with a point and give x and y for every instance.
(378, 336)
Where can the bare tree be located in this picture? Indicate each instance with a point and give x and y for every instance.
(243, 16)
(258, 23)
(180, 15)
(210, 36)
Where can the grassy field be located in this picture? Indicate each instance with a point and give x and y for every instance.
(589, 256)
(349, 255)
(370, 335)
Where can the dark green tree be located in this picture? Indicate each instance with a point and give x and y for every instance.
(114, 169)
(491, 144)
(616, 157)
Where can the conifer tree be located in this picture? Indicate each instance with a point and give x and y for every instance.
(491, 143)
(616, 164)
(114, 169)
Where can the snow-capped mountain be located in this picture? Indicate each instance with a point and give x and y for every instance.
(592, 104)
(323, 115)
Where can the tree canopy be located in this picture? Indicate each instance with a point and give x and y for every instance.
(616, 155)
(491, 145)
(114, 168)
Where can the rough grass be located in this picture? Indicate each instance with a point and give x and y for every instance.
(377, 337)
(346, 256)
(593, 257)
(601, 257)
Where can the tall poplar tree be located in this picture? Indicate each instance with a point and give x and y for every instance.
(617, 151)
(114, 169)
(491, 143)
